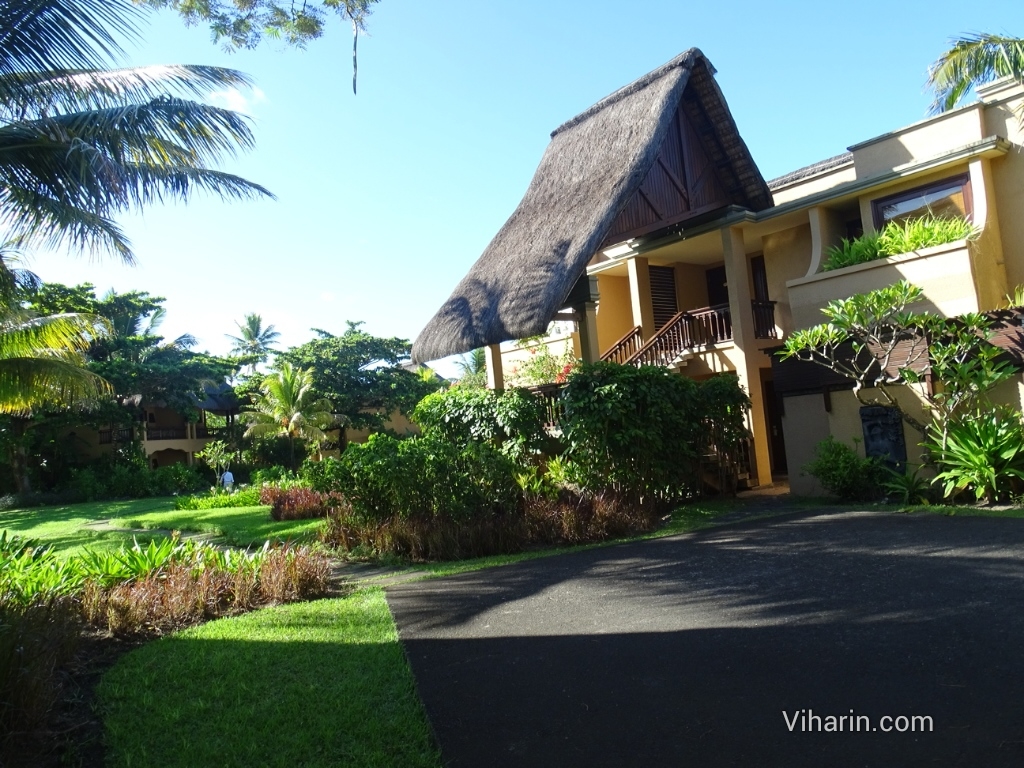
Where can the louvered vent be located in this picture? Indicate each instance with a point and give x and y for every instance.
(663, 294)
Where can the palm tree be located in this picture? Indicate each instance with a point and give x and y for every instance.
(288, 407)
(971, 61)
(474, 368)
(81, 143)
(42, 360)
(255, 342)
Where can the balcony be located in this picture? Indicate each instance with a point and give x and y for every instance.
(167, 433)
(110, 436)
(944, 272)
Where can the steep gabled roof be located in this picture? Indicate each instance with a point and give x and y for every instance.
(594, 165)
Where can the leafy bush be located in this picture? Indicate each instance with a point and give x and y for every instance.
(511, 421)
(898, 237)
(843, 473)
(427, 477)
(859, 250)
(298, 503)
(269, 475)
(981, 453)
(108, 479)
(908, 488)
(243, 497)
(643, 433)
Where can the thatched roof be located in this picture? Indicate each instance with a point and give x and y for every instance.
(593, 165)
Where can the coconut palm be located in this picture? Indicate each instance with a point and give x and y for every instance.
(473, 367)
(288, 407)
(973, 60)
(81, 143)
(42, 359)
(254, 342)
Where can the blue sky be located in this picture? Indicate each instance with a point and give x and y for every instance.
(386, 198)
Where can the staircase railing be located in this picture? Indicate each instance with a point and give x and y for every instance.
(697, 327)
(626, 347)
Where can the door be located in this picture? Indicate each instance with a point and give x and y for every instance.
(718, 291)
(776, 441)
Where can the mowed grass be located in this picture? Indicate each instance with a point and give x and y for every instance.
(67, 528)
(308, 684)
(238, 526)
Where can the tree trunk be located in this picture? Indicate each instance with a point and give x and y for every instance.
(19, 455)
(291, 451)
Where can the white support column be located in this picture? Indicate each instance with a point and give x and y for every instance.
(495, 371)
(737, 276)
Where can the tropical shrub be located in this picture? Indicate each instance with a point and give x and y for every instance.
(297, 502)
(843, 473)
(981, 453)
(511, 421)
(541, 365)
(642, 433)
(108, 479)
(898, 237)
(243, 497)
(910, 487)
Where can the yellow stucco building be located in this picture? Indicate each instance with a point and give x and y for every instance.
(649, 226)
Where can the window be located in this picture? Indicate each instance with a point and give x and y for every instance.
(944, 199)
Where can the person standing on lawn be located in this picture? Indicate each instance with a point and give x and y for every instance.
(227, 480)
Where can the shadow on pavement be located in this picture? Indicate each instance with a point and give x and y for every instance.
(687, 651)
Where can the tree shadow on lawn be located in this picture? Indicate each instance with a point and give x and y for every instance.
(687, 651)
(278, 687)
(64, 526)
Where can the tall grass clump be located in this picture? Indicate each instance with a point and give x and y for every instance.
(898, 237)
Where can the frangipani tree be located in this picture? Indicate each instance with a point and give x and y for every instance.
(289, 407)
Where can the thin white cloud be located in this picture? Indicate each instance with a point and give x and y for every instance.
(238, 100)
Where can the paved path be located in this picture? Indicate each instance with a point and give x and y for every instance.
(687, 651)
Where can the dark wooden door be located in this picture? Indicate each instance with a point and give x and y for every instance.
(718, 292)
(776, 440)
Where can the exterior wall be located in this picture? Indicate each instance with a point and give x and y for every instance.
(1002, 119)
(614, 317)
(691, 286)
(804, 416)
(397, 422)
(945, 272)
(786, 257)
(918, 142)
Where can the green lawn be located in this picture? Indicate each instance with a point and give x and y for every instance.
(312, 684)
(65, 527)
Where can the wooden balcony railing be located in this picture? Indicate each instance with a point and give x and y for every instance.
(167, 433)
(549, 395)
(625, 348)
(108, 436)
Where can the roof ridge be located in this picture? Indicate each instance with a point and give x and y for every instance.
(683, 59)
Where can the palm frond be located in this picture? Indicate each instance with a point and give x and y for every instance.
(44, 35)
(30, 95)
(972, 60)
(63, 337)
(27, 383)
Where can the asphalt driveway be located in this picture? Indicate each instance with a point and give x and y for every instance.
(722, 647)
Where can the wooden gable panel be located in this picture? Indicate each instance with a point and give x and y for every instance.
(683, 182)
